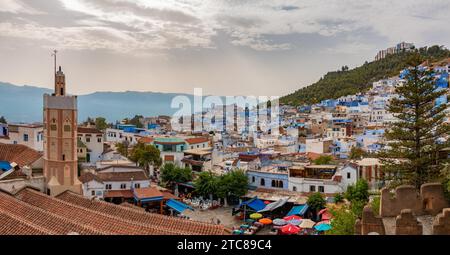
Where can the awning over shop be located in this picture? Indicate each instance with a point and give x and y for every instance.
(178, 206)
(254, 203)
(149, 194)
(274, 205)
(298, 210)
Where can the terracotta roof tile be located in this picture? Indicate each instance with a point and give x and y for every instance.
(92, 218)
(146, 140)
(86, 130)
(38, 218)
(113, 176)
(10, 225)
(18, 153)
(118, 193)
(178, 225)
(147, 192)
(197, 140)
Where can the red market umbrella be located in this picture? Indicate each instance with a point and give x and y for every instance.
(327, 216)
(292, 217)
(290, 229)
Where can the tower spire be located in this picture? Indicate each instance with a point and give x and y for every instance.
(54, 57)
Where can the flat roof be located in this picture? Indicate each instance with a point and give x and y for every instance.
(200, 152)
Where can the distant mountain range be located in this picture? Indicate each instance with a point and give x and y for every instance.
(25, 104)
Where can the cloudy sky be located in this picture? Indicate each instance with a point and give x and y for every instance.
(226, 47)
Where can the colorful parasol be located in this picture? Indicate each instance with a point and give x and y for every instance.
(265, 221)
(290, 229)
(292, 217)
(255, 216)
(279, 222)
(323, 227)
(295, 222)
(307, 223)
(326, 216)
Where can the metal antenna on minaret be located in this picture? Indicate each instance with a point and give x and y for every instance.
(54, 55)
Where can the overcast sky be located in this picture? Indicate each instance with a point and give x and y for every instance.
(225, 47)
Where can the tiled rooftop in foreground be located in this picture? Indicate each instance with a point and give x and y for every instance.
(30, 212)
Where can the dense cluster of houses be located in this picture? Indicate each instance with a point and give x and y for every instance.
(282, 160)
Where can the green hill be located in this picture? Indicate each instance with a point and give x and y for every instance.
(347, 82)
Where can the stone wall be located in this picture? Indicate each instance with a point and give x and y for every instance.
(369, 223)
(430, 200)
(406, 224)
(441, 224)
(433, 198)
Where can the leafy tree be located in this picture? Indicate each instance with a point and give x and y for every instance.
(419, 134)
(358, 195)
(3, 120)
(136, 120)
(445, 179)
(338, 198)
(123, 148)
(172, 174)
(316, 203)
(206, 184)
(357, 153)
(343, 222)
(375, 204)
(359, 191)
(146, 155)
(324, 160)
(232, 184)
(100, 123)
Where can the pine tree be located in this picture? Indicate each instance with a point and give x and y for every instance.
(413, 141)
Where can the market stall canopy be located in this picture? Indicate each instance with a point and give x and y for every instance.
(298, 210)
(178, 206)
(307, 223)
(254, 203)
(274, 205)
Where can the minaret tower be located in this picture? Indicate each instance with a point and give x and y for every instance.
(60, 138)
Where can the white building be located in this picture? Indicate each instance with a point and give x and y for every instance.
(319, 145)
(119, 136)
(120, 178)
(93, 139)
(337, 183)
(31, 135)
